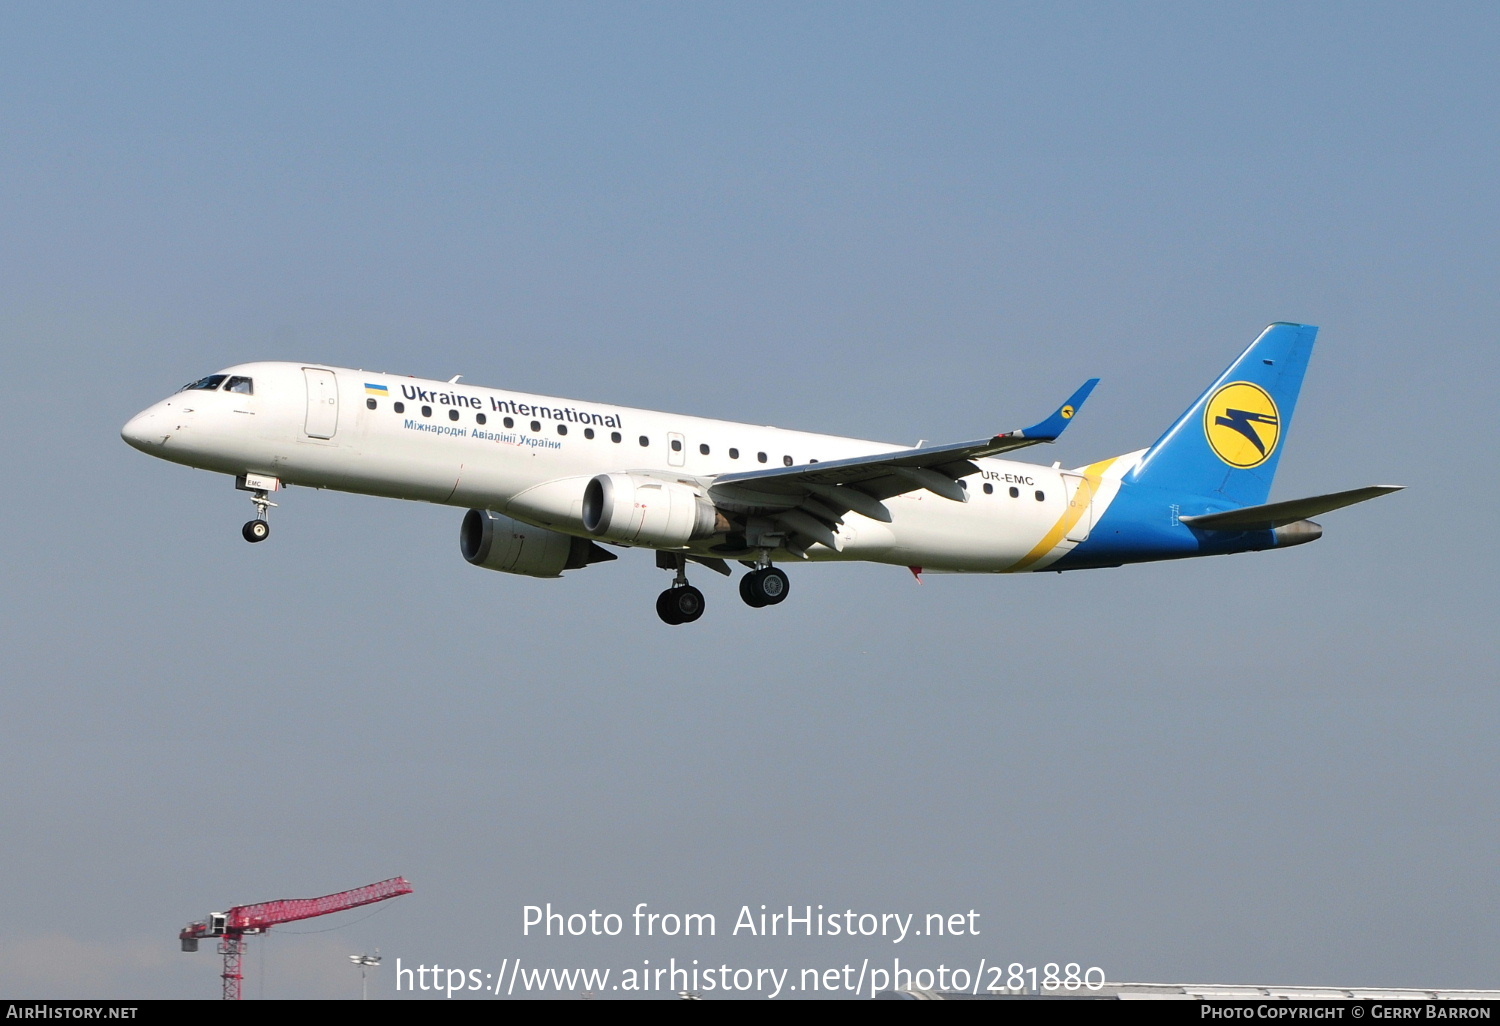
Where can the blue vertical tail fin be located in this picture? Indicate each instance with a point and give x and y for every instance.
(1226, 446)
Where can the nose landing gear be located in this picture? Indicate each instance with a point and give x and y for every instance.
(260, 488)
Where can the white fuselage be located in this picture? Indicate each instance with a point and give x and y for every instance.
(530, 456)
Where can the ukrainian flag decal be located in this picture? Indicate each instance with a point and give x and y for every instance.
(379, 390)
(1243, 424)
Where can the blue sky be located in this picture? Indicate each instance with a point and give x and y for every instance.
(889, 221)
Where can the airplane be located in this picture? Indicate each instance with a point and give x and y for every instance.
(549, 482)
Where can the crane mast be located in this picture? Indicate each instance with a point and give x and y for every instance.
(234, 926)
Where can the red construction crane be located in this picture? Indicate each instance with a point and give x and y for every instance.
(234, 926)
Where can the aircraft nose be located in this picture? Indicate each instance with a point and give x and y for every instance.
(138, 430)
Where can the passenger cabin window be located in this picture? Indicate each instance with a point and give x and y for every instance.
(509, 422)
(207, 384)
(703, 449)
(452, 414)
(243, 386)
(536, 425)
(427, 411)
(371, 404)
(761, 456)
(479, 418)
(676, 445)
(588, 432)
(1015, 493)
(614, 436)
(734, 454)
(1041, 496)
(786, 461)
(562, 429)
(989, 489)
(399, 407)
(645, 441)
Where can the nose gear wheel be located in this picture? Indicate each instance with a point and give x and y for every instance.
(259, 529)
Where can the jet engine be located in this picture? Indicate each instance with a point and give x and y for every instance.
(496, 542)
(635, 510)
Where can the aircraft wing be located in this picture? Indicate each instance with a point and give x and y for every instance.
(811, 499)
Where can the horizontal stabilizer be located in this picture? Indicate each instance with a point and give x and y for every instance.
(1279, 514)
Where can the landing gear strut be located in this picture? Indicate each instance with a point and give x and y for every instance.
(681, 603)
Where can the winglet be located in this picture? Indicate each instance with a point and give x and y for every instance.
(1049, 429)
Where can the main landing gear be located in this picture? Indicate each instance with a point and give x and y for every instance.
(682, 603)
(679, 604)
(764, 586)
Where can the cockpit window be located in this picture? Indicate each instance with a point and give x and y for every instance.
(244, 386)
(207, 384)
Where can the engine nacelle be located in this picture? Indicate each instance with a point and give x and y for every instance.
(635, 510)
(496, 542)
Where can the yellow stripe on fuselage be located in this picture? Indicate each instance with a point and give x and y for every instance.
(1092, 476)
